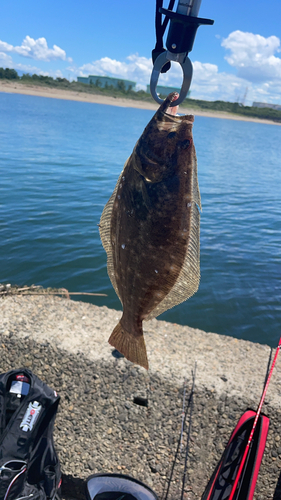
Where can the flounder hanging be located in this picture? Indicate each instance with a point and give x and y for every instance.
(150, 228)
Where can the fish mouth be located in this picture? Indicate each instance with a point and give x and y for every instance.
(166, 111)
(173, 110)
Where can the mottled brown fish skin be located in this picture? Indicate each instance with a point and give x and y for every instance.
(150, 225)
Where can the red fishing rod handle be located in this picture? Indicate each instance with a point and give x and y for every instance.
(233, 491)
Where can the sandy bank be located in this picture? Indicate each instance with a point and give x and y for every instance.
(36, 90)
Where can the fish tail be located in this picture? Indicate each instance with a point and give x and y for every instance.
(131, 346)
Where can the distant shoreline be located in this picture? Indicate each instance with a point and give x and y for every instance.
(13, 87)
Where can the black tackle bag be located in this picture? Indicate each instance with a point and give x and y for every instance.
(29, 466)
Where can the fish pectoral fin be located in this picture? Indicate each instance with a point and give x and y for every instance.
(131, 346)
(145, 197)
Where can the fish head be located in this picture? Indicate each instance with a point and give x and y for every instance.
(165, 138)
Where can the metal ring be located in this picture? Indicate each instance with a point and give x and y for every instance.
(187, 69)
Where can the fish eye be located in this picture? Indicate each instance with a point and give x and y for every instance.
(171, 135)
(184, 144)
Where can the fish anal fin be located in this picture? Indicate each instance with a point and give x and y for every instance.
(131, 346)
(188, 280)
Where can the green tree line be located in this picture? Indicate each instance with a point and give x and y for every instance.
(121, 91)
(235, 108)
(9, 74)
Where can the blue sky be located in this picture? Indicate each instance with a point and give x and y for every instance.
(237, 58)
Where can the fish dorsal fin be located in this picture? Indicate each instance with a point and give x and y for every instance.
(105, 233)
(195, 185)
(187, 282)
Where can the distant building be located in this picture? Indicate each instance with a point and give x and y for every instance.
(164, 91)
(266, 105)
(107, 81)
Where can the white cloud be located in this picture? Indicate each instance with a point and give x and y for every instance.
(137, 68)
(253, 56)
(36, 49)
(5, 60)
(207, 82)
(26, 68)
(6, 47)
(258, 68)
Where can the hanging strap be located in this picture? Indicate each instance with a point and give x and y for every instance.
(160, 29)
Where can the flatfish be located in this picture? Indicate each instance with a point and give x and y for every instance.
(150, 228)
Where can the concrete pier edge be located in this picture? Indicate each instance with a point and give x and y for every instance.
(230, 376)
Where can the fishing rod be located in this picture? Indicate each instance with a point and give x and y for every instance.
(189, 432)
(185, 409)
(183, 414)
(176, 454)
(236, 474)
(240, 470)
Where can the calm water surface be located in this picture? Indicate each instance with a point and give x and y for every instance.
(59, 162)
